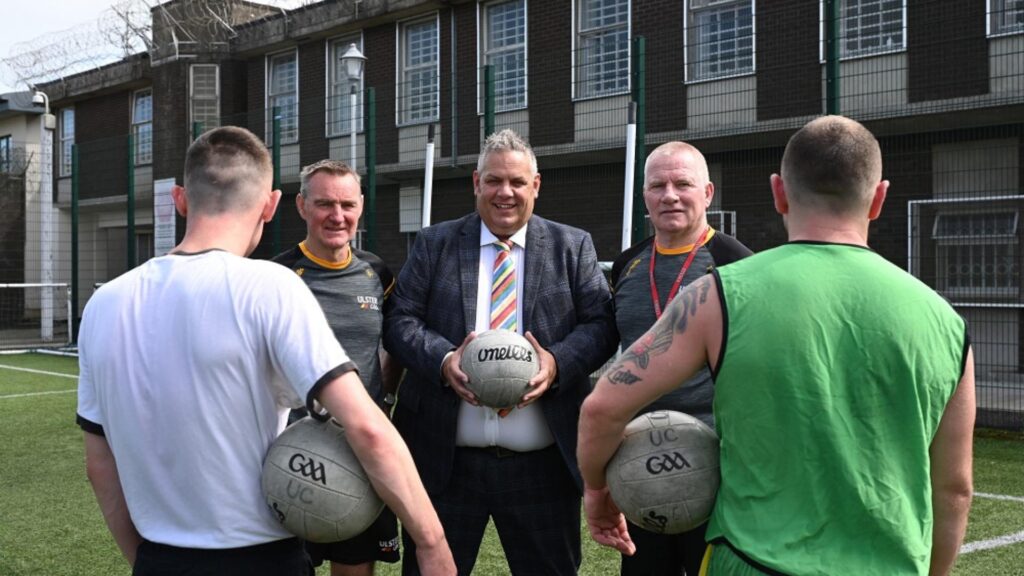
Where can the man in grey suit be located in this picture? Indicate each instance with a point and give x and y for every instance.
(516, 467)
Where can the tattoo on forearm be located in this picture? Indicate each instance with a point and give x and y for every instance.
(659, 338)
(623, 376)
(650, 344)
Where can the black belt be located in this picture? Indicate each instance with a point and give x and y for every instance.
(501, 451)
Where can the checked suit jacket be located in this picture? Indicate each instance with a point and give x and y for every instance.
(566, 305)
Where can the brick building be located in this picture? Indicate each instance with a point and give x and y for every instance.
(941, 82)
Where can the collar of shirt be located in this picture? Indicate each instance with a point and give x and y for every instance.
(487, 237)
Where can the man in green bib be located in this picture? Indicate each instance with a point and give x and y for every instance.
(844, 388)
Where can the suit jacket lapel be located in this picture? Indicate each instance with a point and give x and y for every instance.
(536, 251)
(469, 269)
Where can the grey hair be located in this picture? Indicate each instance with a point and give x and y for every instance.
(333, 167)
(505, 141)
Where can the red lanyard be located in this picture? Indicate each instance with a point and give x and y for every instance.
(679, 279)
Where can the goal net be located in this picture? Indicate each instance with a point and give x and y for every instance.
(35, 315)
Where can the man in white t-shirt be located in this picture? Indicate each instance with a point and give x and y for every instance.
(189, 364)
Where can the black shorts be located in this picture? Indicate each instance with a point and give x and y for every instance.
(280, 558)
(378, 543)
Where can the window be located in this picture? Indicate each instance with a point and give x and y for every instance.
(67, 139)
(142, 126)
(5, 154)
(204, 96)
(602, 54)
(870, 26)
(720, 38)
(339, 98)
(503, 46)
(283, 94)
(1006, 16)
(410, 208)
(418, 87)
(976, 253)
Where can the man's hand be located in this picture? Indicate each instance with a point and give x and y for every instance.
(453, 374)
(607, 525)
(541, 381)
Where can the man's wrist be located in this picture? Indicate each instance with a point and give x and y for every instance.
(444, 363)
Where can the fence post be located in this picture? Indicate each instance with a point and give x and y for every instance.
(74, 241)
(130, 255)
(639, 95)
(488, 100)
(832, 56)
(371, 170)
(275, 140)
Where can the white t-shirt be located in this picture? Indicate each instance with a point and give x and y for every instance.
(190, 364)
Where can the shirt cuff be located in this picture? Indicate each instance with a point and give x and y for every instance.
(312, 405)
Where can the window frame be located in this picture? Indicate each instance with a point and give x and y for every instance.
(142, 148)
(993, 14)
(483, 54)
(691, 60)
(843, 53)
(5, 153)
(579, 82)
(65, 166)
(402, 110)
(192, 95)
(337, 103)
(289, 134)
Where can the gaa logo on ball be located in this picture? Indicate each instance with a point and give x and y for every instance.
(499, 364)
(664, 476)
(315, 485)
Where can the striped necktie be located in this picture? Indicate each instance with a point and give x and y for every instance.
(503, 289)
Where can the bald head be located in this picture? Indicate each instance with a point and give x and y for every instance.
(227, 169)
(678, 148)
(832, 164)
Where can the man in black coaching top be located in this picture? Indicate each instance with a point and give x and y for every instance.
(677, 192)
(350, 285)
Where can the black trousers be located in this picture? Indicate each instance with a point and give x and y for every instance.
(665, 554)
(280, 558)
(530, 496)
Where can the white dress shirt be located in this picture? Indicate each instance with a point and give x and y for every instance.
(479, 426)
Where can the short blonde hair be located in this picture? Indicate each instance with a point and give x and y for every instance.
(505, 141)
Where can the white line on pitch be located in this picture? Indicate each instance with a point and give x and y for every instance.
(43, 372)
(999, 497)
(992, 543)
(36, 394)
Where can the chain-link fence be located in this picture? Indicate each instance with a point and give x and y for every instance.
(944, 94)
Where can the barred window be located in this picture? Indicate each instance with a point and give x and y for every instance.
(1006, 16)
(283, 94)
(602, 51)
(418, 88)
(339, 98)
(871, 26)
(142, 126)
(977, 253)
(721, 38)
(503, 44)
(204, 96)
(67, 139)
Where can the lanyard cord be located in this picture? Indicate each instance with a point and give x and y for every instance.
(655, 299)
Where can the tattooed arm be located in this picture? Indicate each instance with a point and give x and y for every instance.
(682, 342)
